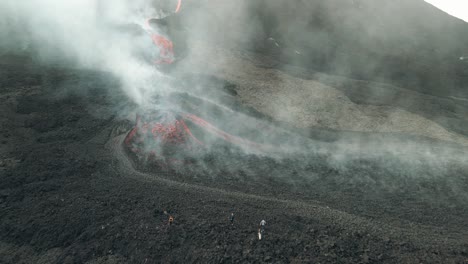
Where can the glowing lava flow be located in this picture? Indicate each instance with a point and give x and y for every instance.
(165, 134)
(179, 4)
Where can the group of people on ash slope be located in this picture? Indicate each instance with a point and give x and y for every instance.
(261, 228)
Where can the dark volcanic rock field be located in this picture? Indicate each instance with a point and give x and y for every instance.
(69, 194)
(359, 109)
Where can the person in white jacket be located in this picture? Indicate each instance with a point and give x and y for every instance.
(261, 229)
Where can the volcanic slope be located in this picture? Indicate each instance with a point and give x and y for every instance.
(69, 194)
(308, 99)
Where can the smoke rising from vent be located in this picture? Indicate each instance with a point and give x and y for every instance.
(87, 34)
(312, 35)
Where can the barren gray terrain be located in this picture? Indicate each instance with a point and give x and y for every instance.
(362, 150)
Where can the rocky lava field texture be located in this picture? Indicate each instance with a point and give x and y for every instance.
(345, 164)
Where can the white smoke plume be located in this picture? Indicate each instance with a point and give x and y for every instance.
(86, 33)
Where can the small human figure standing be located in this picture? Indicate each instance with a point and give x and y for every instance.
(261, 229)
(231, 218)
(262, 225)
(171, 219)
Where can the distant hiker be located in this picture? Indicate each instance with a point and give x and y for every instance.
(262, 225)
(231, 218)
(171, 219)
(261, 229)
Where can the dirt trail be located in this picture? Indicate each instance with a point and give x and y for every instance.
(417, 235)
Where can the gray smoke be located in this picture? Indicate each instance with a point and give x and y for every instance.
(291, 54)
(83, 34)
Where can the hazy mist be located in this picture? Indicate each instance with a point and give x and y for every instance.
(413, 52)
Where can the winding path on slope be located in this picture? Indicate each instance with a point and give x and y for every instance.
(419, 235)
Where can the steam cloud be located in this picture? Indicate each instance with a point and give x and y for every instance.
(83, 33)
